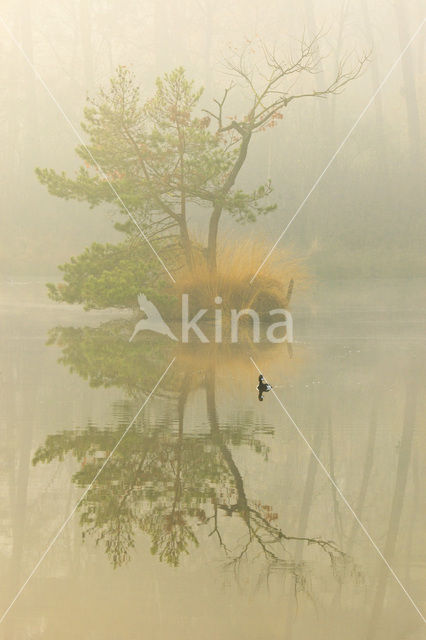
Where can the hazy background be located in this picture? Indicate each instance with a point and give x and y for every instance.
(352, 385)
(364, 219)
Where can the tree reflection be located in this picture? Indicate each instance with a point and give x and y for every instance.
(103, 356)
(261, 532)
(157, 482)
(163, 480)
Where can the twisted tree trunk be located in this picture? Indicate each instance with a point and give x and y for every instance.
(218, 207)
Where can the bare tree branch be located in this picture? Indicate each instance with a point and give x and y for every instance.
(269, 86)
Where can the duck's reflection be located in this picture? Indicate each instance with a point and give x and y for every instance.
(163, 480)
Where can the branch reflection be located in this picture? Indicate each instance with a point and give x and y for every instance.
(178, 485)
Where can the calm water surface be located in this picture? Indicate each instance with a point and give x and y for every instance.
(213, 520)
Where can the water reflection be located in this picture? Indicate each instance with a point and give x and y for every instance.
(103, 356)
(168, 479)
(353, 392)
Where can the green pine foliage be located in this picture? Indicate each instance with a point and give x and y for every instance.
(153, 161)
(108, 275)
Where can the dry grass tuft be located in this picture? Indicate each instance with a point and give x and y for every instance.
(236, 265)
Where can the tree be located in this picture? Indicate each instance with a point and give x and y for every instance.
(160, 157)
(165, 156)
(108, 275)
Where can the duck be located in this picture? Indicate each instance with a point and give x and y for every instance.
(262, 387)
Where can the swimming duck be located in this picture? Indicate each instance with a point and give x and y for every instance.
(262, 387)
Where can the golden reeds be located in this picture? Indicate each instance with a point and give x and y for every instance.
(236, 265)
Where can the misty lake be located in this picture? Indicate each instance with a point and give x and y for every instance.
(212, 518)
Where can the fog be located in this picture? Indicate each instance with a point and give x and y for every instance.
(148, 487)
(365, 217)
